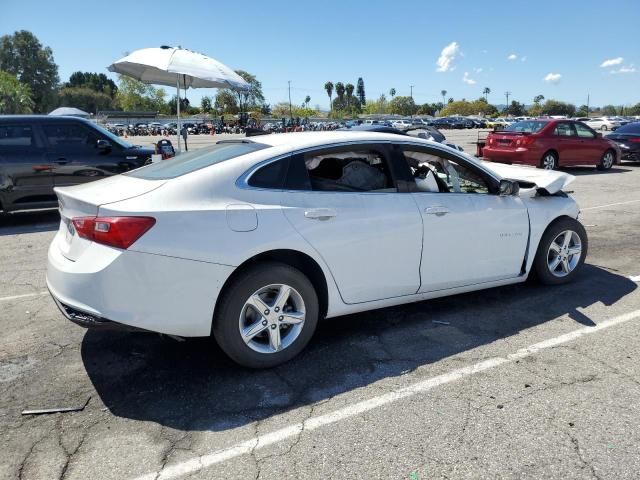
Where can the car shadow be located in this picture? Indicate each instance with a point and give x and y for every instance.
(191, 385)
(578, 171)
(29, 222)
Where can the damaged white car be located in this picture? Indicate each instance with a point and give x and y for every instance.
(254, 240)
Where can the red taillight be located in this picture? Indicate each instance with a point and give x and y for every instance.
(490, 139)
(119, 232)
(524, 141)
(635, 140)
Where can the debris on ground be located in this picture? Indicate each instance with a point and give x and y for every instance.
(46, 411)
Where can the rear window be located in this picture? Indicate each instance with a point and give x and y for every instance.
(16, 136)
(195, 160)
(629, 128)
(526, 126)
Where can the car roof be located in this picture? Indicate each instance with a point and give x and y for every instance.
(302, 140)
(41, 118)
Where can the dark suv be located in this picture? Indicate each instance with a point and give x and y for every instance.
(38, 153)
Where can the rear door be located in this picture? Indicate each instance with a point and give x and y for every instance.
(74, 154)
(26, 178)
(344, 201)
(566, 143)
(590, 148)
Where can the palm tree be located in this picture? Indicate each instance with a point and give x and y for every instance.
(329, 88)
(349, 88)
(538, 98)
(340, 90)
(307, 100)
(444, 94)
(392, 92)
(486, 93)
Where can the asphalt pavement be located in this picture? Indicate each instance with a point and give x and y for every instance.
(524, 381)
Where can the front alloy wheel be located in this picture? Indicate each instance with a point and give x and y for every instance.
(549, 161)
(564, 253)
(561, 252)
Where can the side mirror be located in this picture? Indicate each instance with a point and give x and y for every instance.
(103, 145)
(508, 187)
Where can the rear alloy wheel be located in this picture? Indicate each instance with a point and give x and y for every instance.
(267, 315)
(606, 162)
(561, 253)
(549, 161)
(603, 128)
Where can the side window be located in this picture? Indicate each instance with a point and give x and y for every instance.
(271, 175)
(584, 131)
(16, 137)
(350, 169)
(68, 135)
(564, 130)
(436, 174)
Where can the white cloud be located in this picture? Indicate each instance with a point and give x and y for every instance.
(467, 80)
(447, 56)
(513, 56)
(624, 69)
(552, 78)
(477, 70)
(611, 62)
(523, 59)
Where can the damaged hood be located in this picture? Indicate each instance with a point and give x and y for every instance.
(549, 180)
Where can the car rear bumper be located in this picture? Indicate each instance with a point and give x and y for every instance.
(517, 156)
(111, 288)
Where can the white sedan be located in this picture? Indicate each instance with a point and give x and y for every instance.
(254, 240)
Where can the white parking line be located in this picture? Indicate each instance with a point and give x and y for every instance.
(15, 297)
(609, 205)
(193, 465)
(635, 279)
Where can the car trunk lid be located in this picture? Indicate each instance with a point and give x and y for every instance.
(507, 140)
(85, 200)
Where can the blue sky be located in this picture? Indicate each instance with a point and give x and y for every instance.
(388, 43)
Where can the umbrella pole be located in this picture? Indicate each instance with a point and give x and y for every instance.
(178, 109)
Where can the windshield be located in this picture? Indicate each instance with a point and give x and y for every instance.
(112, 137)
(633, 128)
(528, 126)
(192, 161)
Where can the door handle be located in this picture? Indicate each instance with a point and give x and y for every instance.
(320, 213)
(437, 211)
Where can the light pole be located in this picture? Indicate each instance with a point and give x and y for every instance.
(507, 94)
(290, 114)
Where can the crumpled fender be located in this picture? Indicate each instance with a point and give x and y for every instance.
(550, 181)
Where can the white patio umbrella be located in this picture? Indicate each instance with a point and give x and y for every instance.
(70, 112)
(180, 67)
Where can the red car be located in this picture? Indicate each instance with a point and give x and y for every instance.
(551, 144)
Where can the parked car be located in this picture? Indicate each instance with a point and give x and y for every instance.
(497, 123)
(551, 144)
(603, 123)
(255, 241)
(38, 153)
(627, 138)
(401, 124)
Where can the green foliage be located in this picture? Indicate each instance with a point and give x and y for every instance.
(392, 93)
(133, 95)
(281, 110)
(402, 106)
(340, 90)
(428, 109)
(15, 97)
(205, 104)
(362, 98)
(23, 56)
(464, 107)
(583, 111)
(245, 100)
(85, 99)
(377, 106)
(537, 99)
(635, 110)
(98, 82)
(608, 110)
(185, 106)
(554, 107)
(329, 89)
(516, 109)
(226, 102)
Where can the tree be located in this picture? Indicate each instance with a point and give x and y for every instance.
(608, 110)
(486, 91)
(635, 110)
(281, 109)
(85, 99)
(307, 99)
(265, 109)
(134, 95)
(329, 88)
(360, 92)
(98, 82)
(185, 105)
(516, 109)
(241, 100)
(23, 56)
(537, 99)
(583, 111)
(15, 97)
(402, 106)
(226, 102)
(205, 104)
(392, 93)
(464, 107)
(427, 109)
(444, 94)
(377, 106)
(349, 88)
(555, 107)
(450, 100)
(340, 90)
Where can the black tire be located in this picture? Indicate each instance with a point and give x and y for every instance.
(604, 128)
(226, 322)
(606, 164)
(540, 264)
(547, 158)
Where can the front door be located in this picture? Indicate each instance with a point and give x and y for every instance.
(346, 205)
(471, 234)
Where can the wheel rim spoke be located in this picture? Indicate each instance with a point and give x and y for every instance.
(282, 298)
(575, 251)
(256, 302)
(565, 266)
(567, 239)
(555, 247)
(250, 332)
(554, 264)
(275, 340)
(292, 318)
